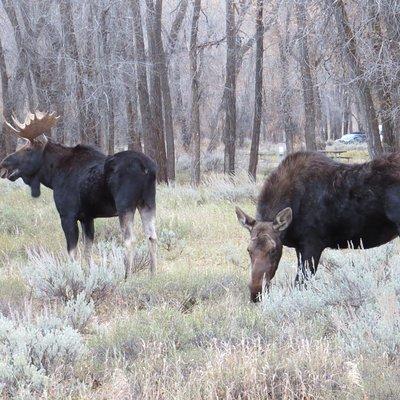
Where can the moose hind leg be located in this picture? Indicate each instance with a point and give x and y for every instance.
(126, 220)
(71, 231)
(148, 216)
(88, 237)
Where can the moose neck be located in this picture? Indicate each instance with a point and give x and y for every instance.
(53, 154)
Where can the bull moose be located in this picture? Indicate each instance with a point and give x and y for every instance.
(86, 184)
(311, 202)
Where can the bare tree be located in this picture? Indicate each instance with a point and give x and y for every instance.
(143, 92)
(155, 92)
(306, 76)
(360, 85)
(71, 50)
(195, 110)
(7, 143)
(258, 91)
(230, 84)
(285, 99)
(107, 83)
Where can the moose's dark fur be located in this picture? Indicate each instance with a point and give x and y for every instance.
(325, 204)
(87, 185)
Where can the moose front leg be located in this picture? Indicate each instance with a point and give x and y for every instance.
(148, 216)
(126, 219)
(88, 237)
(307, 262)
(71, 231)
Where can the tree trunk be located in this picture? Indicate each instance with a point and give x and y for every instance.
(7, 141)
(306, 77)
(107, 78)
(345, 113)
(258, 91)
(22, 73)
(230, 84)
(195, 111)
(156, 95)
(143, 93)
(382, 86)
(71, 50)
(162, 70)
(361, 87)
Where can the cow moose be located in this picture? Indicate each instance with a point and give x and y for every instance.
(86, 184)
(311, 202)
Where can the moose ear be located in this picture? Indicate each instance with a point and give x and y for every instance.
(244, 219)
(283, 219)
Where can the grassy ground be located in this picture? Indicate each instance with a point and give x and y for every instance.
(73, 332)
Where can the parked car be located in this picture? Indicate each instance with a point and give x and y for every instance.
(353, 138)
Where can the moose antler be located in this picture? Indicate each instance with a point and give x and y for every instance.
(34, 125)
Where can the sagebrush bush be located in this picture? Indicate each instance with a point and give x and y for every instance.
(54, 276)
(33, 349)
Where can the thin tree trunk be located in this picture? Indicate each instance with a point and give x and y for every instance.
(143, 92)
(306, 78)
(166, 92)
(361, 87)
(107, 77)
(156, 94)
(176, 26)
(382, 86)
(241, 52)
(230, 84)
(7, 141)
(91, 77)
(22, 73)
(195, 112)
(345, 113)
(71, 50)
(258, 91)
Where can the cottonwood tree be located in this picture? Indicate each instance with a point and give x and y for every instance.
(195, 96)
(230, 85)
(258, 90)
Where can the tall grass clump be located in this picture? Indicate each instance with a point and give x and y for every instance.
(231, 188)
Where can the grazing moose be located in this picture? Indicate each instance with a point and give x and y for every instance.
(86, 184)
(311, 202)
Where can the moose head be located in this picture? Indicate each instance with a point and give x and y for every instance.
(26, 162)
(265, 248)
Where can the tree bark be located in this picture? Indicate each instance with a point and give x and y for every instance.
(345, 113)
(383, 86)
(143, 92)
(162, 69)
(230, 84)
(71, 50)
(195, 111)
(258, 91)
(156, 94)
(107, 77)
(357, 76)
(7, 141)
(306, 77)
(285, 99)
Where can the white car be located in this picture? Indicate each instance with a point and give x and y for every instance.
(352, 138)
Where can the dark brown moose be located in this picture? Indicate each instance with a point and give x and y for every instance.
(311, 202)
(86, 184)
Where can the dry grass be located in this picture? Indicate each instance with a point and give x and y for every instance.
(191, 333)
